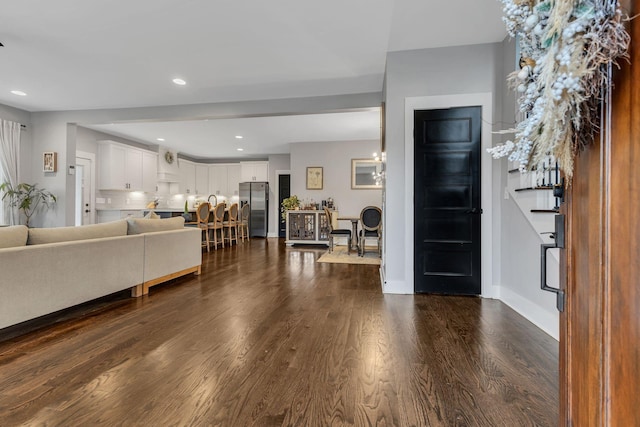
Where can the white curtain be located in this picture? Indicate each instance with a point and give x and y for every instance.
(9, 162)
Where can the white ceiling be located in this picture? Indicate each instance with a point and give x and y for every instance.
(78, 54)
(261, 136)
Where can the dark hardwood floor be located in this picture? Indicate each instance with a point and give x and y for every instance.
(268, 337)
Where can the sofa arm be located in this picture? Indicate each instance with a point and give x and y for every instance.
(169, 254)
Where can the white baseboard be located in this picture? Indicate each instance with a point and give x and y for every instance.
(396, 287)
(270, 234)
(544, 319)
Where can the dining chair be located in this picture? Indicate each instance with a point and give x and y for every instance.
(231, 224)
(202, 218)
(371, 220)
(243, 223)
(341, 232)
(217, 225)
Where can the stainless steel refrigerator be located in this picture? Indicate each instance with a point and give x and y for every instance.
(257, 195)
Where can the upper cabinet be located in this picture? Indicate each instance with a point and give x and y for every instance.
(233, 180)
(254, 171)
(224, 179)
(187, 177)
(149, 172)
(194, 178)
(218, 180)
(202, 179)
(121, 167)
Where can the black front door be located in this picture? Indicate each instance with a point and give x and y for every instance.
(447, 200)
(284, 191)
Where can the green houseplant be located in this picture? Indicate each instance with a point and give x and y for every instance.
(28, 198)
(288, 204)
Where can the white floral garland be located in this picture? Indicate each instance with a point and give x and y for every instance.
(565, 47)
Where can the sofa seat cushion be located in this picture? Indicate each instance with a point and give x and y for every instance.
(39, 236)
(11, 237)
(141, 225)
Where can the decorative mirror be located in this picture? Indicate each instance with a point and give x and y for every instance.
(366, 174)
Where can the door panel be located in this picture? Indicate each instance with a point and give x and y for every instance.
(600, 328)
(447, 200)
(284, 191)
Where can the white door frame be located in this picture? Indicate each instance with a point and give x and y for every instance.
(485, 100)
(92, 202)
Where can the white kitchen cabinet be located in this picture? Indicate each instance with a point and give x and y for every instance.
(233, 179)
(254, 171)
(218, 180)
(224, 179)
(121, 167)
(187, 177)
(149, 172)
(202, 179)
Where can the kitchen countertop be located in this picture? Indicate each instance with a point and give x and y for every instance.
(145, 209)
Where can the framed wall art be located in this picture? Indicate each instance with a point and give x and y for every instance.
(314, 178)
(50, 161)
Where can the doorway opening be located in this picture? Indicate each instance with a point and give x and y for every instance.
(284, 191)
(85, 188)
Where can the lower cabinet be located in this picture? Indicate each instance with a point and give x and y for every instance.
(306, 227)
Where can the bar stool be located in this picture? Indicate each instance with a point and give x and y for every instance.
(243, 223)
(217, 224)
(231, 225)
(202, 217)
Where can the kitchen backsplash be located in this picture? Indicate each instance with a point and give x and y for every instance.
(139, 200)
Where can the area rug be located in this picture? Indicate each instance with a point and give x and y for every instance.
(340, 256)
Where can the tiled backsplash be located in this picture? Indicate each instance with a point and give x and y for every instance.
(139, 200)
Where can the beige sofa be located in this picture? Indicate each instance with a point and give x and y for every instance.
(49, 269)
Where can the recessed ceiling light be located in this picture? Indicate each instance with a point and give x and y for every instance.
(160, 139)
(240, 149)
(238, 136)
(179, 82)
(18, 92)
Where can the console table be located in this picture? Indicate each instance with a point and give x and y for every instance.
(307, 227)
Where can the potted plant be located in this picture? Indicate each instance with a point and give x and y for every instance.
(186, 215)
(28, 198)
(290, 203)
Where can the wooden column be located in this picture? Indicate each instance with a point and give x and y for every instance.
(600, 328)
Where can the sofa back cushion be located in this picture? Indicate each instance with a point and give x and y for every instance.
(39, 236)
(141, 225)
(13, 236)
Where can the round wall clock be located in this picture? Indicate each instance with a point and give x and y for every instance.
(168, 156)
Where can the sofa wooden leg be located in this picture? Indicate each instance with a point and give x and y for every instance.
(198, 271)
(136, 291)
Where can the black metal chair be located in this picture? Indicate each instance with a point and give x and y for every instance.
(342, 232)
(371, 220)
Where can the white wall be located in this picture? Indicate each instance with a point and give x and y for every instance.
(335, 159)
(22, 117)
(520, 252)
(428, 73)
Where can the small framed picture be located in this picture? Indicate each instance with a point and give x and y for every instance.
(50, 161)
(314, 178)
